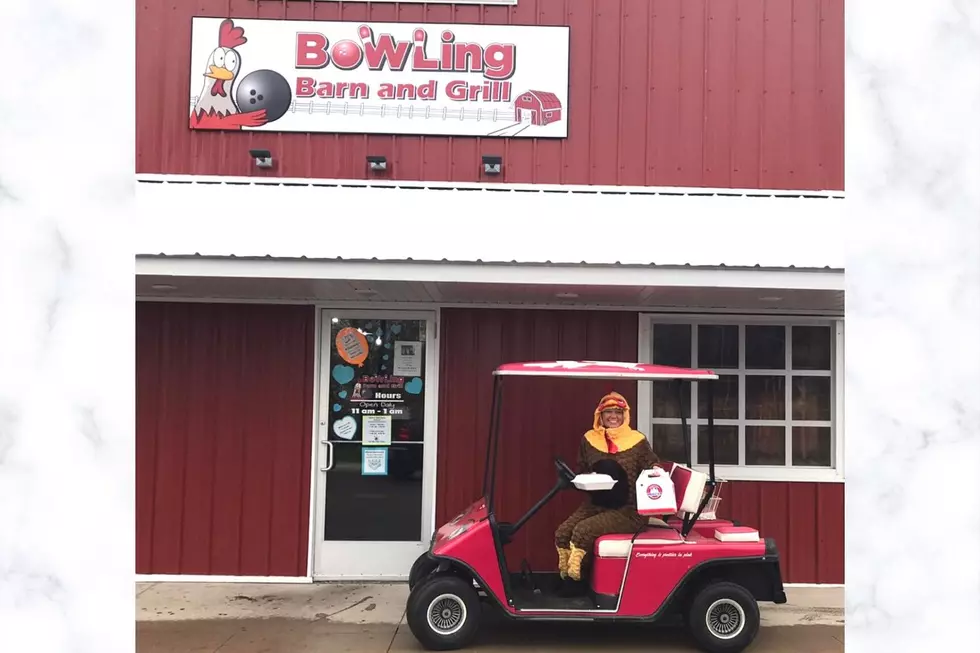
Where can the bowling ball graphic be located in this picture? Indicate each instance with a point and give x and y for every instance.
(264, 89)
(346, 54)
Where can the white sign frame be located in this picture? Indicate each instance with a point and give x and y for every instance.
(385, 78)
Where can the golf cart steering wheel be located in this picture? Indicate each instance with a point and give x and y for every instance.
(565, 472)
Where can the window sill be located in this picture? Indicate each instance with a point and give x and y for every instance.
(775, 474)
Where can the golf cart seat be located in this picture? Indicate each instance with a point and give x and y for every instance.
(613, 551)
(688, 487)
(619, 544)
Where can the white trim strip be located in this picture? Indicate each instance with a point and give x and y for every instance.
(315, 448)
(196, 578)
(660, 311)
(495, 187)
(554, 274)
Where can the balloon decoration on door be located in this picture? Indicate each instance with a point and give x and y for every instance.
(352, 346)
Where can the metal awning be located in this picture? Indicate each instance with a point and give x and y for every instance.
(361, 221)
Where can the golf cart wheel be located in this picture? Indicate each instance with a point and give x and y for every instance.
(444, 613)
(723, 618)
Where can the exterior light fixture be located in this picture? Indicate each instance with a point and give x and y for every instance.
(377, 163)
(492, 164)
(263, 158)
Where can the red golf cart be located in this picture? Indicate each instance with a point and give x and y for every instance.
(709, 572)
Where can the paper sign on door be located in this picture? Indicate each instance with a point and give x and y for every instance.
(374, 461)
(376, 430)
(408, 358)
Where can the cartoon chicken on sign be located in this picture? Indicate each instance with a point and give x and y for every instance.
(215, 107)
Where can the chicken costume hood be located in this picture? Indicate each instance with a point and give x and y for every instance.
(616, 439)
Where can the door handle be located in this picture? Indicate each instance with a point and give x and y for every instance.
(329, 465)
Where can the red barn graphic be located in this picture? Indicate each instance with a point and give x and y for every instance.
(538, 107)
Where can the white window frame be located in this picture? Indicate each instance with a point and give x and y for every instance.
(782, 473)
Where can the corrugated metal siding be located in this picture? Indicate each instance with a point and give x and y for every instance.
(710, 93)
(223, 417)
(545, 418)
(806, 519)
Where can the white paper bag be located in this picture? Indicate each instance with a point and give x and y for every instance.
(655, 493)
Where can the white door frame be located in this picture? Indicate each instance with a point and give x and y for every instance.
(371, 561)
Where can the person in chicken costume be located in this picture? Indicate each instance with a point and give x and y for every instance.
(611, 447)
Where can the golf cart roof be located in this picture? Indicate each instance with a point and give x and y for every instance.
(603, 370)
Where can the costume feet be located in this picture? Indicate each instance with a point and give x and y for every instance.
(575, 563)
(563, 555)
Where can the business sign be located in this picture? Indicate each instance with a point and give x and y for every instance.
(379, 78)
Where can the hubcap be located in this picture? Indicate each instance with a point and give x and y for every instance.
(725, 619)
(446, 614)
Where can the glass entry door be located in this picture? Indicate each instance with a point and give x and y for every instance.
(375, 443)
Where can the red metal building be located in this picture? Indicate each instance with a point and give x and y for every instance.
(224, 409)
(246, 466)
(714, 94)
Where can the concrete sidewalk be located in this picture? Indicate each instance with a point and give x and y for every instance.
(369, 618)
(299, 636)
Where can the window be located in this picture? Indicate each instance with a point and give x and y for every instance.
(775, 402)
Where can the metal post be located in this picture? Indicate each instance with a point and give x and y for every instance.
(685, 425)
(711, 432)
(495, 439)
(493, 420)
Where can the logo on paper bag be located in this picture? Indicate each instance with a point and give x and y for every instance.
(654, 491)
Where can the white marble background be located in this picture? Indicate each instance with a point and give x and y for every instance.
(912, 450)
(66, 325)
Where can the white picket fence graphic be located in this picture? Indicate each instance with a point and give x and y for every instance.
(386, 110)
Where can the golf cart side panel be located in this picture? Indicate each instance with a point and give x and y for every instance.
(655, 570)
(476, 551)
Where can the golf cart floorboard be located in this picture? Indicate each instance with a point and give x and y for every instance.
(526, 599)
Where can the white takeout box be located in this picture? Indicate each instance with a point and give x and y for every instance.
(593, 482)
(655, 493)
